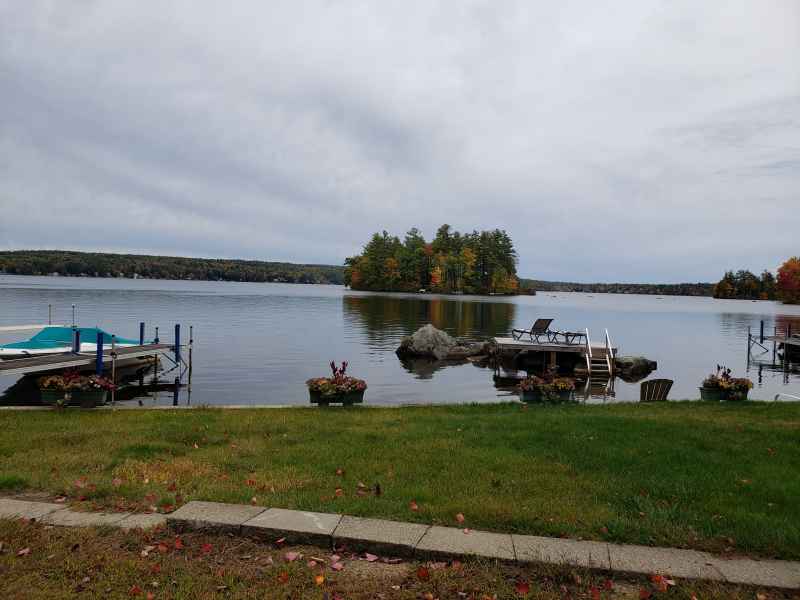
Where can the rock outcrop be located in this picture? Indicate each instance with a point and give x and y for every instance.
(634, 368)
(429, 342)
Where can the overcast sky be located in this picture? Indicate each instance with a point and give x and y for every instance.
(615, 141)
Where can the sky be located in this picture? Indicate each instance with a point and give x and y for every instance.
(634, 140)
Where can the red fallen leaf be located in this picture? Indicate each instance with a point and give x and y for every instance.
(370, 557)
(291, 556)
(456, 564)
(522, 588)
(413, 505)
(645, 594)
(116, 482)
(24, 552)
(155, 569)
(339, 492)
(595, 593)
(162, 548)
(283, 577)
(460, 517)
(150, 498)
(150, 596)
(608, 584)
(206, 548)
(337, 566)
(220, 573)
(319, 579)
(135, 591)
(80, 483)
(250, 482)
(172, 487)
(340, 472)
(423, 574)
(178, 543)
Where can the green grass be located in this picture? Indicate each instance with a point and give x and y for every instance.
(712, 476)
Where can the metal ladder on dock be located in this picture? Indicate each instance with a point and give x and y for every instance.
(600, 363)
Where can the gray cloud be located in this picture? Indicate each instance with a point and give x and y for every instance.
(641, 140)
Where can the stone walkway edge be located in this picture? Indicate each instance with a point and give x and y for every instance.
(414, 540)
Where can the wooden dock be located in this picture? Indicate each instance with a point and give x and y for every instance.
(68, 360)
(520, 345)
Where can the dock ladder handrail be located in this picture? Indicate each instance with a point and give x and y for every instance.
(588, 352)
(787, 396)
(609, 355)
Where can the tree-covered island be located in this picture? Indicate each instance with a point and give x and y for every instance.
(482, 262)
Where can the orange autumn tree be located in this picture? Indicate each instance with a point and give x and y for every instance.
(789, 281)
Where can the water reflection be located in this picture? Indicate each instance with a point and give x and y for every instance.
(383, 317)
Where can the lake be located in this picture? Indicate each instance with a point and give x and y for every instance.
(257, 343)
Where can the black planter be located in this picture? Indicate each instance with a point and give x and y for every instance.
(552, 397)
(343, 399)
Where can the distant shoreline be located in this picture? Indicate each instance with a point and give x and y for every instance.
(68, 263)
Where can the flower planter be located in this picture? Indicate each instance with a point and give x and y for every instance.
(717, 394)
(344, 399)
(539, 396)
(84, 399)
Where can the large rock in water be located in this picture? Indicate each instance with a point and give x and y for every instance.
(634, 368)
(429, 342)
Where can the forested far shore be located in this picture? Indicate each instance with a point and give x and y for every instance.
(653, 289)
(99, 264)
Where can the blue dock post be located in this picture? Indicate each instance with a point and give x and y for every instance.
(177, 343)
(76, 341)
(98, 361)
(141, 333)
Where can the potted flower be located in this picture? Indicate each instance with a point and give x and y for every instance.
(722, 386)
(339, 388)
(547, 389)
(73, 388)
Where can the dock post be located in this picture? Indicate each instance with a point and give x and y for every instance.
(49, 314)
(73, 315)
(191, 343)
(76, 340)
(176, 391)
(178, 345)
(762, 331)
(774, 343)
(141, 333)
(156, 340)
(98, 361)
(113, 368)
(749, 345)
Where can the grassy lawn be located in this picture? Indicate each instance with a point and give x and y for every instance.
(720, 477)
(41, 563)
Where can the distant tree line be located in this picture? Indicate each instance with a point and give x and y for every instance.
(482, 262)
(92, 264)
(654, 289)
(744, 285)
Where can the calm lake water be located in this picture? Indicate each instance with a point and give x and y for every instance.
(257, 343)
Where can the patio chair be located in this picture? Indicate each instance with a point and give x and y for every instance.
(655, 390)
(541, 327)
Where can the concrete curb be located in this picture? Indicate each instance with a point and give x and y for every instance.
(422, 541)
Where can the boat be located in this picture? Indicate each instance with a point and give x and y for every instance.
(57, 340)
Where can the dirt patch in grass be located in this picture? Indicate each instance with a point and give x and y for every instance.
(38, 562)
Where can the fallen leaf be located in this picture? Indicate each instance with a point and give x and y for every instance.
(150, 596)
(116, 482)
(155, 569)
(370, 557)
(319, 579)
(250, 482)
(595, 593)
(24, 552)
(206, 548)
(608, 584)
(522, 588)
(283, 577)
(337, 566)
(162, 548)
(340, 472)
(460, 517)
(645, 594)
(413, 505)
(339, 492)
(253, 500)
(178, 543)
(280, 541)
(423, 574)
(61, 499)
(311, 564)
(135, 590)
(466, 530)
(291, 556)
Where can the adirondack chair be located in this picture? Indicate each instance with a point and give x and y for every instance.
(541, 327)
(655, 390)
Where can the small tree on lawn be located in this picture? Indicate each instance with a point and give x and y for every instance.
(789, 281)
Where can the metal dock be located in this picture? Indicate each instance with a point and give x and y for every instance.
(67, 360)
